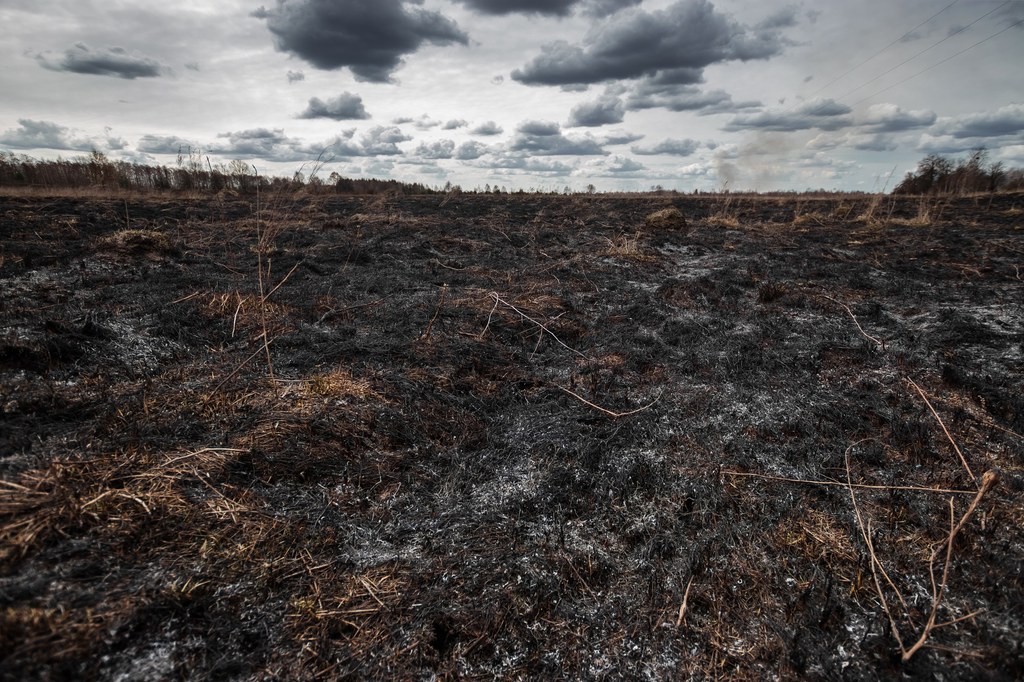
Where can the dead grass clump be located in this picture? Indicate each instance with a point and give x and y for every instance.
(666, 218)
(817, 535)
(627, 248)
(137, 243)
(247, 312)
(340, 384)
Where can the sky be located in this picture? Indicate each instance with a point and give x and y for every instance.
(619, 94)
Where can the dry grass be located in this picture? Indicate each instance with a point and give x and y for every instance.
(666, 218)
(137, 242)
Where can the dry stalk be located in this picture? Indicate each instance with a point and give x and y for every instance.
(963, 460)
(881, 344)
(610, 413)
(437, 311)
(498, 299)
(681, 618)
(988, 480)
(860, 486)
(260, 247)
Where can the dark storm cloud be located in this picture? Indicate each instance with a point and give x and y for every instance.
(1004, 121)
(604, 8)
(44, 135)
(826, 114)
(487, 129)
(558, 8)
(785, 17)
(689, 34)
(370, 37)
(603, 111)
(673, 147)
(111, 61)
(546, 139)
(344, 107)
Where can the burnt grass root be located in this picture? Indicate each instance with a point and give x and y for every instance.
(530, 437)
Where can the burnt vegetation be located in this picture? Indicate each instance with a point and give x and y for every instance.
(314, 436)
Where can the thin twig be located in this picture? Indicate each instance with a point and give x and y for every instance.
(281, 283)
(610, 413)
(881, 344)
(437, 311)
(488, 325)
(186, 298)
(866, 535)
(686, 599)
(497, 298)
(339, 311)
(963, 460)
(862, 486)
(238, 369)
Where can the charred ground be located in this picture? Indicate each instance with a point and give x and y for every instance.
(431, 481)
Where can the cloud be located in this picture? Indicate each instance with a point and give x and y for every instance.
(1004, 121)
(650, 95)
(672, 147)
(421, 122)
(295, 77)
(164, 144)
(525, 162)
(344, 107)
(824, 114)
(454, 124)
(545, 138)
(275, 145)
(620, 137)
(603, 111)
(889, 118)
(111, 61)
(487, 129)
(615, 165)
(469, 151)
(370, 37)
(442, 149)
(539, 128)
(785, 17)
(604, 8)
(689, 34)
(192, 66)
(45, 135)
(559, 8)
(383, 141)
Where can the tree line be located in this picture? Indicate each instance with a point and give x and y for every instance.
(973, 174)
(191, 173)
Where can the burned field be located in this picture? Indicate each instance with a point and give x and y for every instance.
(511, 437)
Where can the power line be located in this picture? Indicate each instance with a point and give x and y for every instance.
(970, 47)
(829, 102)
(933, 45)
(908, 33)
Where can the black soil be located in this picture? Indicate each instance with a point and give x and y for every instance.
(513, 437)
